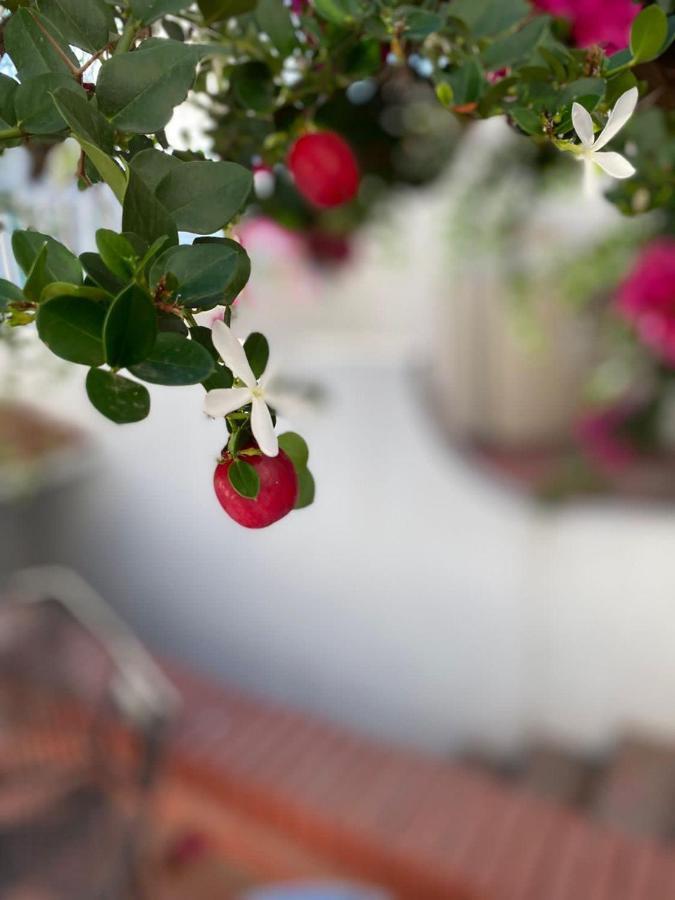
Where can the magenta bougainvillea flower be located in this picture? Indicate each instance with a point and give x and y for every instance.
(601, 435)
(647, 298)
(604, 22)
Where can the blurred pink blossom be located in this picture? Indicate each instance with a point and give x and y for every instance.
(647, 298)
(600, 434)
(604, 22)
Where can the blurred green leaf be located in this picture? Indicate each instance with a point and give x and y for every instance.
(119, 399)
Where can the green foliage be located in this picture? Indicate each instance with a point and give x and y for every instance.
(175, 360)
(138, 91)
(244, 479)
(117, 398)
(131, 304)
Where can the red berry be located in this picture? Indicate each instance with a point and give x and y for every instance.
(276, 497)
(324, 168)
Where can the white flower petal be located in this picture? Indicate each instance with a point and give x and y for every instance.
(232, 353)
(614, 164)
(583, 124)
(223, 401)
(623, 110)
(263, 429)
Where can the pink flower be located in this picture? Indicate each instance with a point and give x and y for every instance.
(601, 435)
(604, 22)
(647, 298)
(498, 75)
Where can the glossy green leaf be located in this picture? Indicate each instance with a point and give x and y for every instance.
(83, 23)
(96, 269)
(244, 479)
(152, 165)
(29, 48)
(36, 111)
(116, 252)
(8, 89)
(205, 273)
(517, 46)
(72, 328)
(243, 271)
(221, 10)
(130, 328)
(9, 293)
(274, 19)
(257, 352)
(64, 289)
(648, 34)
(143, 214)
(61, 264)
(84, 120)
(306, 489)
(148, 11)
(295, 448)
(203, 196)
(340, 12)
(118, 398)
(175, 360)
(138, 91)
(37, 277)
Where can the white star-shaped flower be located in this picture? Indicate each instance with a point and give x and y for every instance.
(613, 164)
(223, 401)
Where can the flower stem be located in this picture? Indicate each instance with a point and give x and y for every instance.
(127, 37)
(10, 133)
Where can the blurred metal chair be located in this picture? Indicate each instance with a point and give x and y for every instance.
(84, 713)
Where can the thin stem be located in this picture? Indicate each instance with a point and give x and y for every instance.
(55, 44)
(127, 37)
(92, 59)
(10, 133)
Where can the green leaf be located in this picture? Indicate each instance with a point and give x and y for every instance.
(84, 23)
(96, 269)
(517, 46)
(340, 12)
(143, 214)
(34, 105)
(175, 360)
(117, 398)
(306, 489)
(648, 34)
(203, 196)
(244, 479)
(138, 91)
(295, 448)
(149, 11)
(526, 119)
(220, 10)
(253, 86)
(590, 89)
(9, 293)
(84, 120)
(274, 19)
(152, 165)
(257, 352)
(419, 23)
(243, 272)
(489, 17)
(37, 277)
(72, 328)
(8, 89)
(31, 51)
(130, 328)
(61, 264)
(207, 274)
(117, 253)
(64, 289)
(467, 82)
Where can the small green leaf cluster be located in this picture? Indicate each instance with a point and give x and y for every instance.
(110, 73)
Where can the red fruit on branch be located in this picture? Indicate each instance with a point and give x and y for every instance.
(324, 168)
(276, 497)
